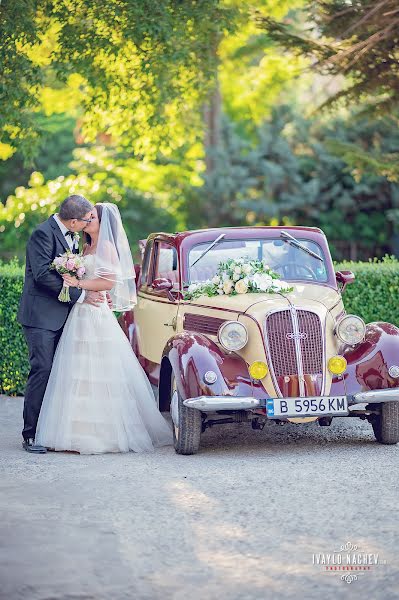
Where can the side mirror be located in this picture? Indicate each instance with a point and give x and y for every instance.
(343, 278)
(162, 284)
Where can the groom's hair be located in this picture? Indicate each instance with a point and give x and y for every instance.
(74, 207)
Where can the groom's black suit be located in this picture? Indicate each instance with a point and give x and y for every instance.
(42, 315)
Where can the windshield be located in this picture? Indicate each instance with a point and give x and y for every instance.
(288, 261)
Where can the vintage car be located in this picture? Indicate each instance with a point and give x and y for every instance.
(252, 357)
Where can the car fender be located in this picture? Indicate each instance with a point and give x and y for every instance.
(369, 361)
(190, 356)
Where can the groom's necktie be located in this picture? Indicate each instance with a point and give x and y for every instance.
(75, 250)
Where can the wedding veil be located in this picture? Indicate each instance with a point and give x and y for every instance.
(114, 260)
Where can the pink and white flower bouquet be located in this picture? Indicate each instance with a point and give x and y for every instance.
(72, 264)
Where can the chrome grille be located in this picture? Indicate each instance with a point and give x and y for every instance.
(312, 346)
(295, 357)
(282, 349)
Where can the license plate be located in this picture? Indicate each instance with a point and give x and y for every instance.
(306, 407)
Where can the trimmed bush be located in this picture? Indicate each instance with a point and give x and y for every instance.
(373, 296)
(375, 293)
(14, 364)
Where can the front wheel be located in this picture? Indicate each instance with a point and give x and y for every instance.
(187, 423)
(386, 424)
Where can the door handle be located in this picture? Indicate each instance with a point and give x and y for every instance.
(173, 324)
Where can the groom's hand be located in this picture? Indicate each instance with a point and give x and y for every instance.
(109, 301)
(94, 298)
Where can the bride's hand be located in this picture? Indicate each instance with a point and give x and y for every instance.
(71, 281)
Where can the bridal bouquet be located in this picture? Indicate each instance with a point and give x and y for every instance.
(72, 264)
(239, 276)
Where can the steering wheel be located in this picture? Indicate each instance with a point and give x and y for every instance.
(294, 268)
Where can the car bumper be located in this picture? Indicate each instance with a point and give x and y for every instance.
(211, 403)
(374, 396)
(215, 403)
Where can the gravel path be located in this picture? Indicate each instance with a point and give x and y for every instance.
(241, 520)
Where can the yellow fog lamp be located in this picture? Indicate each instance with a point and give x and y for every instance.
(258, 370)
(337, 365)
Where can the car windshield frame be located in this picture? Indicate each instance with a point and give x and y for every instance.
(325, 281)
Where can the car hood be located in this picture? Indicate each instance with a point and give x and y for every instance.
(304, 295)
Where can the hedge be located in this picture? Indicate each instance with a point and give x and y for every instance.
(14, 365)
(374, 297)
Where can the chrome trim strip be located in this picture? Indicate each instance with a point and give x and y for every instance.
(323, 326)
(297, 343)
(221, 403)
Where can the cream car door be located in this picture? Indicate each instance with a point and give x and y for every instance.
(156, 310)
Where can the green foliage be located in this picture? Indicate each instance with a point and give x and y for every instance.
(100, 175)
(373, 296)
(52, 157)
(367, 161)
(357, 39)
(142, 71)
(357, 43)
(20, 77)
(292, 174)
(14, 365)
(145, 66)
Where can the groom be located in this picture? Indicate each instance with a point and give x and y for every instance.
(40, 313)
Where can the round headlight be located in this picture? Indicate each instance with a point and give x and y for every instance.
(337, 365)
(351, 329)
(233, 335)
(258, 369)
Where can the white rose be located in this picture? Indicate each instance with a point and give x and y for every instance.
(216, 280)
(241, 286)
(236, 277)
(227, 286)
(262, 281)
(247, 269)
(280, 285)
(237, 270)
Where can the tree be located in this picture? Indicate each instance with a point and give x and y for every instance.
(145, 66)
(358, 39)
(291, 175)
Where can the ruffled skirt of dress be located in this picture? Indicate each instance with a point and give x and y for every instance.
(98, 398)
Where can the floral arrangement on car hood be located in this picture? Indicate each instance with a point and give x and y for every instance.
(239, 276)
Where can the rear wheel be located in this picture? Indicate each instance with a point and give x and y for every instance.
(187, 423)
(386, 424)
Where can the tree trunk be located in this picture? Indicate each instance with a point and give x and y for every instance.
(212, 114)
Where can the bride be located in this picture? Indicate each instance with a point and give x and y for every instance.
(98, 398)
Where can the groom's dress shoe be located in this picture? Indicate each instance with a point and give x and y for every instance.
(30, 446)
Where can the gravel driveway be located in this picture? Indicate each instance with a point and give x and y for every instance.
(241, 520)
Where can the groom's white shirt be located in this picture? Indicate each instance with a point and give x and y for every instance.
(73, 244)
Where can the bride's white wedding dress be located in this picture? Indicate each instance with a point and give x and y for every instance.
(98, 398)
